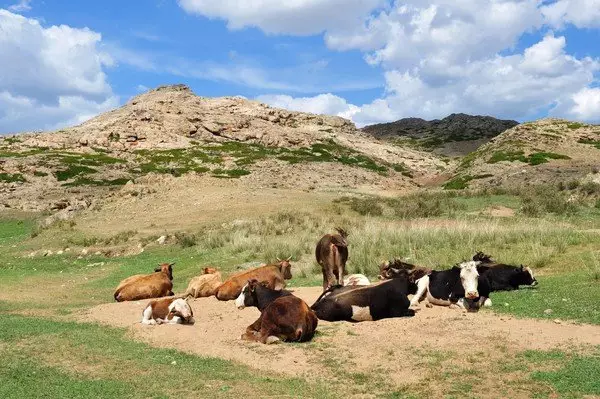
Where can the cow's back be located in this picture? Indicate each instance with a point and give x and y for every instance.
(155, 285)
(232, 287)
(204, 286)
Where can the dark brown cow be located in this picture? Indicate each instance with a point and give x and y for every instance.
(283, 316)
(390, 269)
(332, 255)
(155, 285)
(273, 276)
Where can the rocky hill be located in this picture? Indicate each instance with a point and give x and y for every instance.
(170, 131)
(545, 151)
(455, 135)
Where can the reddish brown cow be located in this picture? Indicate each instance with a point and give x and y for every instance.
(155, 285)
(273, 276)
(283, 317)
(332, 255)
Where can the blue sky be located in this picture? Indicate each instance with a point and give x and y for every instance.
(368, 60)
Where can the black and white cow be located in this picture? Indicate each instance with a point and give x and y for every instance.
(461, 286)
(503, 277)
(366, 303)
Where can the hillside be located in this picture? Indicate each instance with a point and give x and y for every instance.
(545, 151)
(455, 135)
(169, 132)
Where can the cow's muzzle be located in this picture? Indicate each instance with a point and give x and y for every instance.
(472, 295)
(535, 282)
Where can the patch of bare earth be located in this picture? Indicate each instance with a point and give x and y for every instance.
(404, 352)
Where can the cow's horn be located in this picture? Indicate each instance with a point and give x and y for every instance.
(288, 259)
(278, 260)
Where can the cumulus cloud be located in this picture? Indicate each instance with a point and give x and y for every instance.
(442, 56)
(299, 17)
(581, 13)
(328, 104)
(49, 76)
(515, 86)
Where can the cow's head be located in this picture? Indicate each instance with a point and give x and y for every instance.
(166, 268)
(209, 270)
(285, 267)
(182, 309)
(469, 278)
(526, 276)
(248, 295)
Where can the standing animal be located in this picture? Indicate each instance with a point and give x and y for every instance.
(356, 279)
(283, 316)
(374, 302)
(168, 311)
(396, 267)
(332, 255)
(204, 285)
(503, 277)
(154, 285)
(273, 276)
(460, 286)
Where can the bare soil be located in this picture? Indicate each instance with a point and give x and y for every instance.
(400, 349)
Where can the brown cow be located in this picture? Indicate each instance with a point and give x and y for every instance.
(389, 269)
(283, 316)
(205, 285)
(155, 285)
(273, 276)
(168, 311)
(332, 254)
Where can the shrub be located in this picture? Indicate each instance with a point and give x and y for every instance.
(186, 240)
(590, 188)
(546, 199)
(573, 184)
(11, 178)
(366, 206)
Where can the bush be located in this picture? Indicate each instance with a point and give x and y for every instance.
(546, 199)
(590, 188)
(186, 240)
(366, 206)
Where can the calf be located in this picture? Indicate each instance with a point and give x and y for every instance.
(332, 255)
(205, 285)
(503, 277)
(168, 311)
(460, 286)
(396, 267)
(356, 279)
(283, 317)
(375, 302)
(273, 276)
(155, 285)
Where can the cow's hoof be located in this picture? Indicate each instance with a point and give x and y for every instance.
(454, 306)
(272, 340)
(428, 305)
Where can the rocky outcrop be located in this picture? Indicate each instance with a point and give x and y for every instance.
(456, 127)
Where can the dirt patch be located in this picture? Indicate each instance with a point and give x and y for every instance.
(499, 211)
(397, 349)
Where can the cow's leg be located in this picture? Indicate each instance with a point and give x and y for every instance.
(147, 316)
(340, 276)
(266, 337)
(422, 286)
(329, 278)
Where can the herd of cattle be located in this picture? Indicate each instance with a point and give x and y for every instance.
(285, 317)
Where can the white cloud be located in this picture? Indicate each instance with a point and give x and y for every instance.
(299, 17)
(581, 13)
(21, 6)
(49, 76)
(328, 104)
(515, 86)
(142, 88)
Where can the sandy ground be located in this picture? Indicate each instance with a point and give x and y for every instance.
(391, 344)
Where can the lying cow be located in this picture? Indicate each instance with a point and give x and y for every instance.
(502, 277)
(396, 267)
(146, 286)
(332, 254)
(460, 287)
(273, 276)
(283, 316)
(374, 302)
(356, 279)
(168, 311)
(205, 285)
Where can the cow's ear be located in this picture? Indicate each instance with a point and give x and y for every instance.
(521, 267)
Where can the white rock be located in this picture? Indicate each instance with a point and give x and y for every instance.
(161, 240)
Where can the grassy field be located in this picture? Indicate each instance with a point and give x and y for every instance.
(43, 353)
